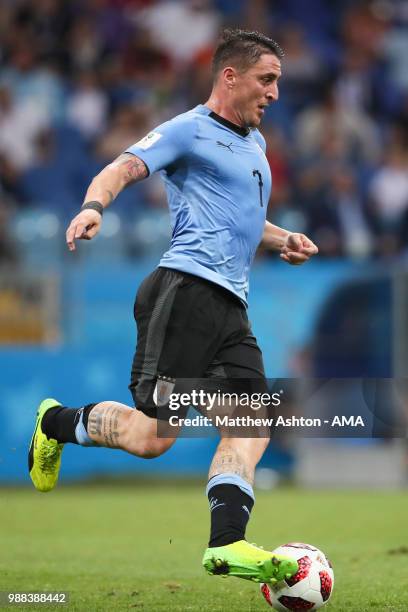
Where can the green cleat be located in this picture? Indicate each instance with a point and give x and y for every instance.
(248, 561)
(44, 457)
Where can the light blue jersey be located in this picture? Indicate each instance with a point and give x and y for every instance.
(218, 183)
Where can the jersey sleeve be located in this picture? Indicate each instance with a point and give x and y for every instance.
(165, 144)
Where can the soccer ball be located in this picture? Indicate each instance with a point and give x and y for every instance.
(310, 588)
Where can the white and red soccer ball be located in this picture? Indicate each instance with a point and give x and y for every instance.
(310, 588)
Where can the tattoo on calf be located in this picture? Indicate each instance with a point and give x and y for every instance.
(228, 460)
(103, 422)
(95, 421)
(111, 430)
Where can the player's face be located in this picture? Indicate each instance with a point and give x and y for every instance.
(257, 88)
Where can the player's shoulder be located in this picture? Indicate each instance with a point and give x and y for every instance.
(186, 121)
(174, 137)
(260, 140)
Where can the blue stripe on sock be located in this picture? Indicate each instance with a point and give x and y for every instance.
(233, 479)
(81, 434)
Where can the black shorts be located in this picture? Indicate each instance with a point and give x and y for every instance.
(189, 328)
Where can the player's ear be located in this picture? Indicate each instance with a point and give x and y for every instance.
(230, 76)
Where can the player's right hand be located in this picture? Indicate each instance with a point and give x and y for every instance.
(84, 226)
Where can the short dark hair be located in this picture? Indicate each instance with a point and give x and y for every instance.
(242, 49)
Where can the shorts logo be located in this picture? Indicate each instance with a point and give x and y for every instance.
(163, 389)
(148, 140)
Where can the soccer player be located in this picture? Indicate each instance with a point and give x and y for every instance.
(191, 311)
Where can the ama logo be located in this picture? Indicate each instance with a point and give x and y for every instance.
(343, 421)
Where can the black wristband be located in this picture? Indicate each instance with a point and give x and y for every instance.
(93, 206)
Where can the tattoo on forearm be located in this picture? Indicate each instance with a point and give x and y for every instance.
(135, 168)
(228, 460)
(103, 423)
(111, 196)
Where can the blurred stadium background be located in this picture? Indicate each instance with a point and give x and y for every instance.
(79, 82)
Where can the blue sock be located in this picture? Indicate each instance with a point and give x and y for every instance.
(81, 433)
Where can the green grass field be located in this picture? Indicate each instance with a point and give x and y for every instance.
(134, 546)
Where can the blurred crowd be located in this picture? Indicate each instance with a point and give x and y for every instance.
(81, 80)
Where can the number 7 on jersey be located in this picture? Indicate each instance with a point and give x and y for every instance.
(260, 183)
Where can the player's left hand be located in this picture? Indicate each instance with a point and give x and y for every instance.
(297, 249)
